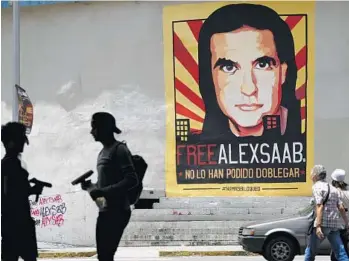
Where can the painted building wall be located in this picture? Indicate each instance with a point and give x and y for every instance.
(79, 58)
(91, 51)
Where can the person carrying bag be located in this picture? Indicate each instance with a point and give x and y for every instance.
(311, 225)
(338, 181)
(329, 207)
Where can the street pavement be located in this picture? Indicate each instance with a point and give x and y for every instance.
(206, 258)
(152, 253)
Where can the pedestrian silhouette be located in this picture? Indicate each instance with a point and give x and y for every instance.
(17, 226)
(116, 176)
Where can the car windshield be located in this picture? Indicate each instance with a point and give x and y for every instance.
(306, 210)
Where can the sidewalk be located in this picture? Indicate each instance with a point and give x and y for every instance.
(55, 250)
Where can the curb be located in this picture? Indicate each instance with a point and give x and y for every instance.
(72, 254)
(43, 254)
(205, 253)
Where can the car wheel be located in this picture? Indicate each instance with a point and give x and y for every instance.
(280, 249)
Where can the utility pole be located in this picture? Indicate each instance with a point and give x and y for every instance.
(16, 56)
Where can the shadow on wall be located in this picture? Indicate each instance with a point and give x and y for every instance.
(61, 147)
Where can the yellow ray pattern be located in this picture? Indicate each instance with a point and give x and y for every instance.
(301, 77)
(193, 123)
(180, 98)
(185, 77)
(299, 36)
(184, 33)
(298, 33)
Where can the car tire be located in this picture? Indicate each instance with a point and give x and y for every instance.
(280, 248)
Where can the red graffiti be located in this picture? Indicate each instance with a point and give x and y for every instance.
(49, 211)
(50, 200)
(54, 220)
(174, 212)
(35, 212)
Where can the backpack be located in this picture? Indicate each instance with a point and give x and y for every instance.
(140, 166)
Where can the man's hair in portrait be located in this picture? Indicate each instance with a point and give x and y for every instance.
(227, 19)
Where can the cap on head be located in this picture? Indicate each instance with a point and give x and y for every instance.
(13, 131)
(338, 175)
(106, 119)
(319, 171)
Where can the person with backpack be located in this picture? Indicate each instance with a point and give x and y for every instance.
(117, 176)
(329, 208)
(338, 181)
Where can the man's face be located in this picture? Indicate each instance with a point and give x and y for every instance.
(247, 75)
(17, 145)
(95, 131)
(100, 130)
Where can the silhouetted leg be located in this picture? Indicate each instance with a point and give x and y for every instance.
(109, 230)
(8, 248)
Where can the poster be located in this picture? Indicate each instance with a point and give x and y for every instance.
(239, 81)
(25, 109)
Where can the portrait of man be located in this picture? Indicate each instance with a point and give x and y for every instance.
(241, 87)
(25, 108)
(247, 71)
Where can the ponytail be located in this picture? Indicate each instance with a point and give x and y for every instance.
(341, 185)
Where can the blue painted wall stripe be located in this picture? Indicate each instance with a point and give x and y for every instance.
(8, 4)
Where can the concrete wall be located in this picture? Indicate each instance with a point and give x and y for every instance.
(111, 55)
(67, 218)
(331, 86)
(103, 53)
